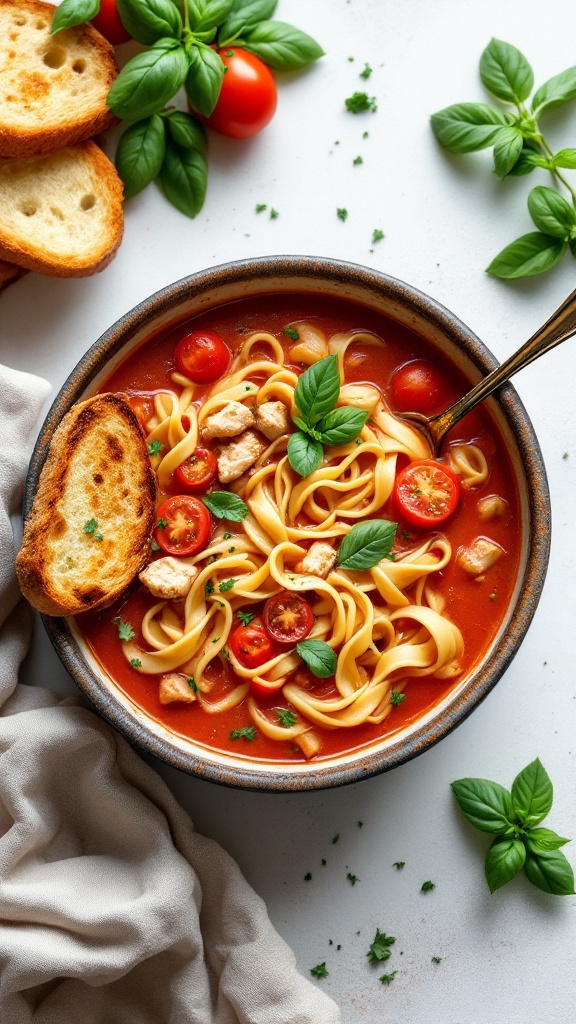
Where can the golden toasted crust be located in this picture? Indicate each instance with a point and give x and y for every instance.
(97, 473)
(61, 212)
(52, 88)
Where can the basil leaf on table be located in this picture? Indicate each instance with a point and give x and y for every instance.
(207, 14)
(466, 127)
(305, 453)
(183, 178)
(282, 46)
(341, 425)
(150, 20)
(564, 158)
(550, 872)
(555, 91)
(540, 840)
(186, 131)
(366, 544)
(73, 12)
(204, 79)
(245, 14)
(503, 861)
(532, 794)
(487, 805)
(225, 505)
(527, 162)
(508, 145)
(505, 72)
(148, 81)
(527, 256)
(550, 212)
(318, 656)
(140, 154)
(317, 390)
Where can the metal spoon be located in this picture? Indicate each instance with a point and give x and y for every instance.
(560, 326)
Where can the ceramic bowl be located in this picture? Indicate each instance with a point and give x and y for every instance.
(412, 308)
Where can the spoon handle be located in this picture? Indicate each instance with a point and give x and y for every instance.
(560, 326)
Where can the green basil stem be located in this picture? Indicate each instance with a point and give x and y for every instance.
(539, 139)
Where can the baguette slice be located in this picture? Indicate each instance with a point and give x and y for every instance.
(97, 471)
(61, 212)
(52, 88)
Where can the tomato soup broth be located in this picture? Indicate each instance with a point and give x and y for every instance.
(475, 603)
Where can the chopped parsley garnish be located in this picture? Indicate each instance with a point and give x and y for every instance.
(125, 631)
(377, 236)
(226, 585)
(208, 588)
(365, 135)
(566, 455)
(396, 697)
(215, 640)
(319, 971)
(380, 948)
(436, 959)
(247, 732)
(135, 662)
(399, 864)
(231, 550)
(366, 72)
(292, 333)
(352, 878)
(192, 684)
(341, 213)
(308, 876)
(227, 535)
(247, 388)
(359, 102)
(155, 447)
(427, 886)
(245, 617)
(387, 978)
(161, 524)
(260, 207)
(91, 526)
(274, 214)
(336, 838)
(286, 718)
(357, 160)
(154, 545)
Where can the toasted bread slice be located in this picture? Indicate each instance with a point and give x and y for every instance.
(52, 88)
(61, 212)
(9, 273)
(88, 532)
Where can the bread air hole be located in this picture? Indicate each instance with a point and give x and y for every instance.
(29, 207)
(79, 66)
(55, 57)
(88, 202)
(20, 20)
(56, 213)
(40, 24)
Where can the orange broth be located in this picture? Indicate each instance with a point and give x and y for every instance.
(476, 606)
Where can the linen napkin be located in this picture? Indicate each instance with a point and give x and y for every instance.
(113, 910)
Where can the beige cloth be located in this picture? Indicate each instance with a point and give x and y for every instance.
(112, 909)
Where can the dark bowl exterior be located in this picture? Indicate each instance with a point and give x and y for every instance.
(394, 298)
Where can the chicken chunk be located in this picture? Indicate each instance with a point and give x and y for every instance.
(319, 560)
(237, 457)
(491, 507)
(272, 420)
(174, 686)
(168, 577)
(481, 555)
(232, 419)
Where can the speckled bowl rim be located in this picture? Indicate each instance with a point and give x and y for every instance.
(251, 276)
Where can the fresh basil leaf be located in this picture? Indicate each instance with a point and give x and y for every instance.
(245, 14)
(550, 212)
(140, 153)
(539, 840)
(508, 145)
(529, 255)
(366, 544)
(550, 872)
(524, 164)
(186, 131)
(504, 859)
(183, 178)
(225, 505)
(150, 20)
(466, 127)
(505, 72)
(317, 390)
(486, 805)
(73, 12)
(204, 79)
(318, 656)
(282, 46)
(555, 91)
(564, 158)
(304, 453)
(207, 14)
(341, 425)
(148, 81)
(532, 794)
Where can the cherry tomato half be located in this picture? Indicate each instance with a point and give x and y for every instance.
(251, 645)
(417, 387)
(197, 472)
(201, 356)
(107, 21)
(426, 493)
(183, 525)
(248, 96)
(288, 618)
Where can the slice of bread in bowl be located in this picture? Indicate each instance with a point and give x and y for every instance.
(88, 532)
(52, 88)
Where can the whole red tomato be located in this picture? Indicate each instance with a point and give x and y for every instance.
(107, 21)
(248, 97)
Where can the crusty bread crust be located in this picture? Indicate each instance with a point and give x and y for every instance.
(61, 212)
(98, 468)
(53, 89)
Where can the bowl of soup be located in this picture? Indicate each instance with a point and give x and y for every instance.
(324, 599)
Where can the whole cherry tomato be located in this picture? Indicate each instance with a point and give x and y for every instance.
(107, 21)
(251, 645)
(288, 618)
(183, 525)
(197, 472)
(426, 493)
(247, 100)
(202, 356)
(417, 387)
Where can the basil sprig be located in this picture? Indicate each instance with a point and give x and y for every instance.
(225, 505)
(512, 817)
(318, 656)
(318, 422)
(73, 12)
(518, 148)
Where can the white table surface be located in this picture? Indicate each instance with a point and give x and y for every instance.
(505, 957)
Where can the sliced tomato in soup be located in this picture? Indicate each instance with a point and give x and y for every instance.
(426, 494)
(183, 525)
(288, 618)
(251, 645)
(417, 387)
(197, 472)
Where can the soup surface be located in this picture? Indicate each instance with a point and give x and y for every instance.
(316, 580)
